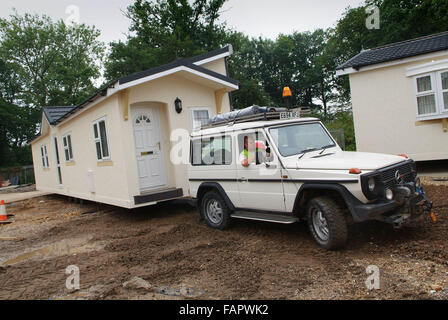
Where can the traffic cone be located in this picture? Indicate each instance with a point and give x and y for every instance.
(3, 215)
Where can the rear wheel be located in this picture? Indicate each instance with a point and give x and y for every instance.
(215, 211)
(327, 223)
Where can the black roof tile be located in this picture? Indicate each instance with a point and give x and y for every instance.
(400, 50)
(53, 114)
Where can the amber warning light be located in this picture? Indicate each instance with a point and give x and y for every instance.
(287, 92)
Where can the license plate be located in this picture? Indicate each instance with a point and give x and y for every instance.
(289, 115)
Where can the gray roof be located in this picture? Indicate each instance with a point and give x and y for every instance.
(53, 114)
(400, 50)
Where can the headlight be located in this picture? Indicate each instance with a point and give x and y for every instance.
(389, 194)
(371, 184)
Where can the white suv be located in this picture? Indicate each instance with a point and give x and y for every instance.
(264, 168)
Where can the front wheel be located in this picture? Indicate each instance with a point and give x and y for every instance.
(327, 223)
(215, 211)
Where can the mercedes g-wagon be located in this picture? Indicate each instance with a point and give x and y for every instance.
(269, 168)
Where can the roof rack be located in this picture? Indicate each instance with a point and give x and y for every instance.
(264, 116)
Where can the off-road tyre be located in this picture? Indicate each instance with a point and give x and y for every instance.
(336, 223)
(213, 199)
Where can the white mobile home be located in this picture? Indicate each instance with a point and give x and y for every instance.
(400, 98)
(115, 147)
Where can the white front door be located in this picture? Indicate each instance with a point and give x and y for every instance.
(148, 148)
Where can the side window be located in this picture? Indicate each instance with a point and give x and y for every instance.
(44, 156)
(212, 151)
(100, 138)
(199, 117)
(253, 148)
(68, 150)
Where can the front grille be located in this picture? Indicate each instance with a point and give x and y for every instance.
(388, 176)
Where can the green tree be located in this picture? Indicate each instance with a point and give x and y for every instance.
(399, 21)
(343, 120)
(42, 63)
(244, 66)
(15, 129)
(165, 30)
(54, 63)
(47, 63)
(265, 67)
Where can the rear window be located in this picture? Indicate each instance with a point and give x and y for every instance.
(212, 151)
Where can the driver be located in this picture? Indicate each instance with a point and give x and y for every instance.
(247, 157)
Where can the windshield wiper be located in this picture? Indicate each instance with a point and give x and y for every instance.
(325, 148)
(307, 151)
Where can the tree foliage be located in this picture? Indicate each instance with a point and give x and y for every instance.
(53, 63)
(50, 63)
(42, 63)
(165, 30)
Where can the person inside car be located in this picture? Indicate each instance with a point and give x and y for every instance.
(247, 156)
(252, 151)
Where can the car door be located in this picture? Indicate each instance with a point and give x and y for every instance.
(259, 184)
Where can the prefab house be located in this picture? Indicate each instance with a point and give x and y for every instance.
(400, 98)
(116, 146)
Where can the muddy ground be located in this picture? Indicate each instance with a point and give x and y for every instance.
(175, 256)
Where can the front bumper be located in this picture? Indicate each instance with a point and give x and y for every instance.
(409, 203)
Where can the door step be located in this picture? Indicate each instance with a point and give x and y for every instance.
(161, 195)
(264, 217)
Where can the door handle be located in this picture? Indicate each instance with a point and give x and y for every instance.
(146, 153)
(270, 165)
(242, 179)
(158, 144)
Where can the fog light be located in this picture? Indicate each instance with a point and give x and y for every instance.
(418, 183)
(389, 194)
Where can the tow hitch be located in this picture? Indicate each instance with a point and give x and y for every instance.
(414, 203)
(426, 205)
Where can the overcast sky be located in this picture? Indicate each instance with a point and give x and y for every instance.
(266, 18)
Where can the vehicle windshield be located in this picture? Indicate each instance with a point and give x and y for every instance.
(297, 139)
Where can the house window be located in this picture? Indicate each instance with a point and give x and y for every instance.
(444, 79)
(426, 96)
(44, 156)
(100, 138)
(199, 117)
(68, 151)
(432, 94)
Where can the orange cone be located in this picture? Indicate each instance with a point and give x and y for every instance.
(3, 215)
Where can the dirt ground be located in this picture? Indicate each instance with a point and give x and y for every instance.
(175, 256)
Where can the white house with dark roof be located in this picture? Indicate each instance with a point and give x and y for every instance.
(115, 147)
(400, 98)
